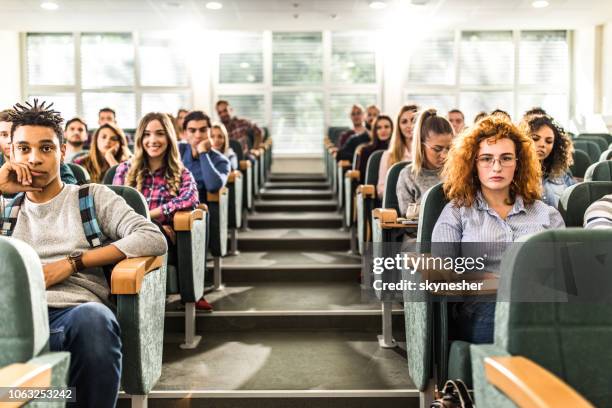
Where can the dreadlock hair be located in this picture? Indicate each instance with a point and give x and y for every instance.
(36, 115)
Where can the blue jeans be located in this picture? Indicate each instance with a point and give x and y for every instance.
(90, 332)
(474, 321)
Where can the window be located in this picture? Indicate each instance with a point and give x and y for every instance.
(297, 59)
(443, 103)
(251, 107)
(297, 117)
(50, 59)
(65, 103)
(340, 106)
(241, 58)
(432, 62)
(123, 103)
(487, 58)
(107, 60)
(162, 62)
(353, 58)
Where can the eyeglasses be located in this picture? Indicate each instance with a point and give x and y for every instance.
(438, 149)
(504, 161)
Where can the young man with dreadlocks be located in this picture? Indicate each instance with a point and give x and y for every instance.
(49, 220)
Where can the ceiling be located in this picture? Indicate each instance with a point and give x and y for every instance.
(111, 15)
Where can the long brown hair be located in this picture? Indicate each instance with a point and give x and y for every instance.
(95, 163)
(221, 127)
(398, 145)
(173, 166)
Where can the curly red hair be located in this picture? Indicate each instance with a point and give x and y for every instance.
(461, 176)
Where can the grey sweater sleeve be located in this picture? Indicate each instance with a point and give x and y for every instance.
(132, 234)
(405, 190)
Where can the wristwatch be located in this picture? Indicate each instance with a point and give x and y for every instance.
(76, 259)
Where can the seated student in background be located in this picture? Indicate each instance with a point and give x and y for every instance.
(357, 117)
(220, 142)
(479, 116)
(348, 149)
(107, 115)
(75, 135)
(372, 113)
(599, 214)
(108, 148)
(400, 145)
(238, 128)
(554, 149)
(502, 113)
(49, 219)
(536, 110)
(432, 140)
(180, 117)
(157, 172)
(382, 129)
(209, 167)
(66, 173)
(492, 178)
(457, 120)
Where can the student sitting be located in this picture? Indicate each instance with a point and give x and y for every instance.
(157, 172)
(108, 148)
(381, 134)
(48, 217)
(220, 142)
(180, 118)
(348, 149)
(492, 178)
(400, 145)
(457, 120)
(555, 151)
(75, 135)
(107, 115)
(432, 139)
(479, 116)
(599, 214)
(238, 128)
(357, 113)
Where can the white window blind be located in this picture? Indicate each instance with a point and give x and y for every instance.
(249, 107)
(443, 103)
(124, 103)
(353, 58)
(241, 58)
(50, 59)
(555, 104)
(64, 103)
(473, 102)
(487, 58)
(297, 58)
(162, 61)
(107, 60)
(165, 102)
(432, 61)
(340, 106)
(544, 58)
(297, 121)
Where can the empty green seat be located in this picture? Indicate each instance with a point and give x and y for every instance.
(582, 161)
(367, 200)
(576, 199)
(606, 136)
(601, 171)
(589, 147)
(606, 155)
(600, 140)
(80, 173)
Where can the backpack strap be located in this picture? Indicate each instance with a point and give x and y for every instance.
(91, 228)
(9, 216)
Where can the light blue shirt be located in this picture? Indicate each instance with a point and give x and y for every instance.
(482, 225)
(554, 187)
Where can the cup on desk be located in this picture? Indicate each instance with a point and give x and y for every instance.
(412, 213)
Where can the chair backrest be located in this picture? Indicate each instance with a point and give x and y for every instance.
(606, 136)
(570, 338)
(110, 175)
(371, 176)
(589, 147)
(334, 132)
(237, 148)
(432, 204)
(576, 199)
(601, 171)
(606, 155)
(390, 198)
(80, 173)
(601, 141)
(133, 198)
(24, 322)
(582, 161)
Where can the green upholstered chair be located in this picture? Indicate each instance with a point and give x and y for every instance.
(80, 173)
(186, 278)
(235, 207)
(24, 322)
(582, 161)
(600, 171)
(576, 199)
(606, 155)
(109, 175)
(218, 208)
(589, 147)
(600, 140)
(366, 201)
(351, 182)
(334, 132)
(606, 136)
(246, 169)
(569, 339)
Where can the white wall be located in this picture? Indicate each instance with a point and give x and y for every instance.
(10, 74)
(607, 74)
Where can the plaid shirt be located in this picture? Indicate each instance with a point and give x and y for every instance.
(238, 129)
(156, 192)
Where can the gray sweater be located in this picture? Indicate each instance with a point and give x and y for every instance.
(54, 230)
(410, 188)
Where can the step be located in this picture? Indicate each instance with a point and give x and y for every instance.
(288, 219)
(295, 194)
(291, 239)
(312, 177)
(285, 266)
(295, 206)
(319, 185)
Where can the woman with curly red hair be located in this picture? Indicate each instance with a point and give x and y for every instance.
(493, 181)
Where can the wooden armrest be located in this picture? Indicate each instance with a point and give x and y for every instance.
(245, 164)
(367, 190)
(334, 153)
(353, 174)
(255, 152)
(183, 220)
(22, 375)
(529, 385)
(332, 149)
(385, 215)
(233, 176)
(214, 197)
(343, 164)
(203, 207)
(128, 274)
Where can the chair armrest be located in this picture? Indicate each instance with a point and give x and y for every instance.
(215, 197)
(127, 275)
(245, 164)
(183, 220)
(255, 152)
(344, 164)
(20, 375)
(233, 176)
(367, 190)
(352, 174)
(529, 385)
(388, 219)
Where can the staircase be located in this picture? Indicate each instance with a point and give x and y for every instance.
(291, 327)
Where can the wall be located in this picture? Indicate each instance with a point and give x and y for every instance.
(10, 74)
